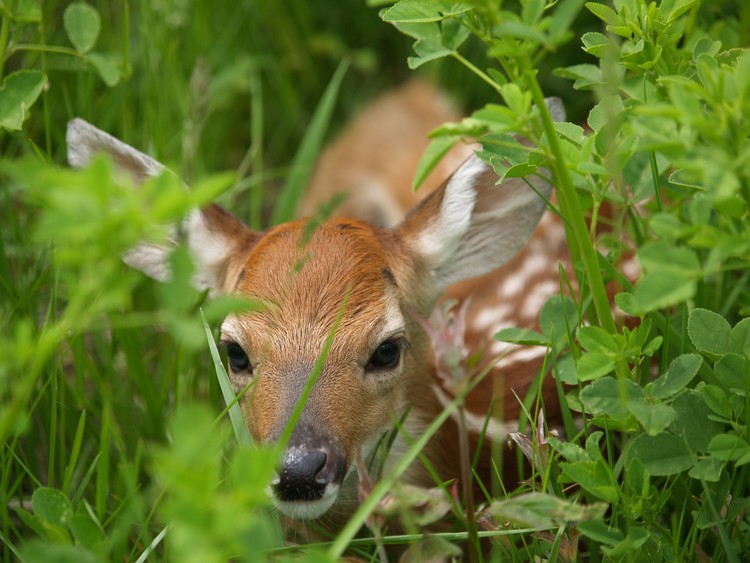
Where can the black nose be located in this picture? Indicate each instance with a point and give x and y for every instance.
(305, 472)
(298, 474)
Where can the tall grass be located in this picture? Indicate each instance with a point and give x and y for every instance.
(109, 449)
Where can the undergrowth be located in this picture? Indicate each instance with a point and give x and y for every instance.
(114, 439)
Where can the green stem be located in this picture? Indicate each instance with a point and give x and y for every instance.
(655, 179)
(481, 74)
(45, 49)
(4, 33)
(381, 488)
(571, 208)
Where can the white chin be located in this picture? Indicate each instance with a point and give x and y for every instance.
(307, 509)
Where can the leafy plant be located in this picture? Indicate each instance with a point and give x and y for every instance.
(106, 455)
(665, 150)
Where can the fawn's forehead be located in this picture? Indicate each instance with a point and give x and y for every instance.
(303, 274)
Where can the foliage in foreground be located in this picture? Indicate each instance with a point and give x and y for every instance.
(91, 471)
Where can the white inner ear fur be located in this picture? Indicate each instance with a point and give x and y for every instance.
(479, 225)
(85, 141)
(209, 248)
(439, 240)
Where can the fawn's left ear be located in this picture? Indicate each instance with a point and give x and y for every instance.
(214, 236)
(470, 225)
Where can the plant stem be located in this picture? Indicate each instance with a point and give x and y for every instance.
(357, 520)
(46, 49)
(571, 208)
(463, 446)
(4, 32)
(468, 64)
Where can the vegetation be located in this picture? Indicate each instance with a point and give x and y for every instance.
(114, 443)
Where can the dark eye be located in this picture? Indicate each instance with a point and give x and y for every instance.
(238, 360)
(386, 356)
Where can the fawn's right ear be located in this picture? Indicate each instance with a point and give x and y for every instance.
(214, 236)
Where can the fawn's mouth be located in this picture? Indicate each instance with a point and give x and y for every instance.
(309, 509)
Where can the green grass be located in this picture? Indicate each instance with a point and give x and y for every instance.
(109, 397)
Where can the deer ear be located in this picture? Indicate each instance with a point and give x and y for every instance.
(215, 237)
(470, 225)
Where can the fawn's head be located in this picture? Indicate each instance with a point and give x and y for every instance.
(375, 279)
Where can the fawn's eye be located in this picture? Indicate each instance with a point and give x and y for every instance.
(238, 359)
(386, 356)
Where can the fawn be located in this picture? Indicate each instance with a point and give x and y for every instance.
(392, 269)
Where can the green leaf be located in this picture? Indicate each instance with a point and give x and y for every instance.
(251, 470)
(106, 67)
(454, 34)
(420, 11)
(717, 400)
(594, 365)
(585, 75)
(38, 551)
(604, 13)
(532, 10)
(708, 469)
(636, 538)
(667, 226)
(429, 30)
(732, 372)
(24, 11)
(739, 338)
(663, 454)
(598, 531)
(692, 423)
(52, 506)
(626, 302)
(427, 50)
(539, 510)
(85, 530)
(594, 476)
(657, 290)
(559, 315)
(18, 93)
(678, 8)
(654, 418)
(520, 30)
(729, 447)
(432, 548)
(595, 339)
(432, 155)
(569, 450)
(82, 24)
(596, 44)
(610, 396)
(665, 258)
(520, 170)
(570, 131)
(525, 336)
(681, 372)
(709, 332)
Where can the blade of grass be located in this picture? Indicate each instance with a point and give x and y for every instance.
(314, 374)
(308, 150)
(75, 451)
(152, 546)
(381, 488)
(235, 413)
